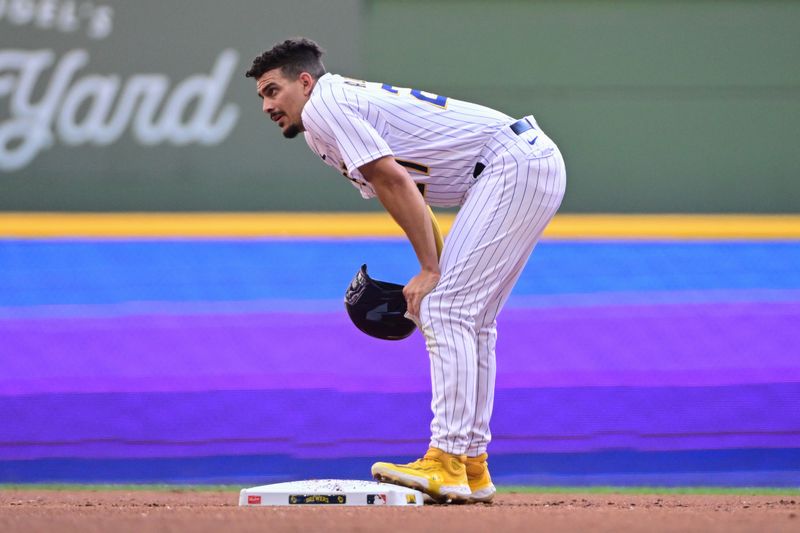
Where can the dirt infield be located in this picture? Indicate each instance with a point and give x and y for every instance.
(178, 510)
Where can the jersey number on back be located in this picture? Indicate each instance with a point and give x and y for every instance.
(435, 99)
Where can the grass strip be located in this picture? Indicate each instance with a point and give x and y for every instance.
(765, 491)
(162, 487)
(508, 489)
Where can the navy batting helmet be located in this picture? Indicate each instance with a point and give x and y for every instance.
(377, 307)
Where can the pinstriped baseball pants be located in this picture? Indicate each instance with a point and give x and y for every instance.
(494, 233)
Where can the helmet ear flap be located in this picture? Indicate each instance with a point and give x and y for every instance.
(357, 286)
(377, 308)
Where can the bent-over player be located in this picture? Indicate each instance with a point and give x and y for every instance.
(507, 176)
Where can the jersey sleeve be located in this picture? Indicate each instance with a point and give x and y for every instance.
(331, 115)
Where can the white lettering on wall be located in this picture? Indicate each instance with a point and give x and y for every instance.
(65, 16)
(97, 109)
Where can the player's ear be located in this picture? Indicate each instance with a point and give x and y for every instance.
(308, 82)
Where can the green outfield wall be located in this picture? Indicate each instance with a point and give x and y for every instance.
(670, 106)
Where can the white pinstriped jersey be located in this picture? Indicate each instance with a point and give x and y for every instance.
(349, 123)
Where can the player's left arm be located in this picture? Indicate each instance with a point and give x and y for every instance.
(401, 198)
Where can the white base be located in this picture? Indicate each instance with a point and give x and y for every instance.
(330, 492)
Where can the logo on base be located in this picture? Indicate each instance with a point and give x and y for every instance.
(253, 499)
(376, 499)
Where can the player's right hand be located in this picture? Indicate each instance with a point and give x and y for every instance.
(418, 288)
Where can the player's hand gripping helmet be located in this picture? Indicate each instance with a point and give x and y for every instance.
(377, 307)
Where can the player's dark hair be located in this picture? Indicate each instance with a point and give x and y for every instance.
(293, 56)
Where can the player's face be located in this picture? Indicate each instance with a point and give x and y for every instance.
(283, 99)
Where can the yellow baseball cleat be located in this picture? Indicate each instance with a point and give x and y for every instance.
(480, 482)
(438, 474)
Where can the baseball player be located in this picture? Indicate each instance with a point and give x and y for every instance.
(408, 147)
